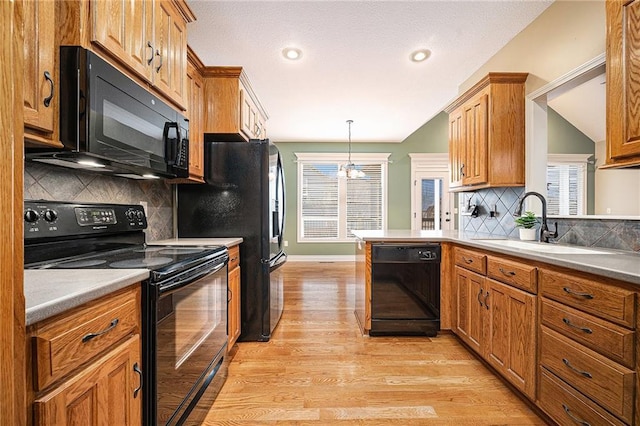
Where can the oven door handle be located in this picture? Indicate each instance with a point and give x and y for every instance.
(179, 283)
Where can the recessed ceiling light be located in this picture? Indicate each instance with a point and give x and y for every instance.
(292, 53)
(420, 55)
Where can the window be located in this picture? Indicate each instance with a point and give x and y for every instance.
(329, 207)
(567, 185)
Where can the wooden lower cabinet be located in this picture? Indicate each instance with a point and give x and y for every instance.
(469, 290)
(495, 319)
(85, 364)
(106, 392)
(510, 334)
(234, 300)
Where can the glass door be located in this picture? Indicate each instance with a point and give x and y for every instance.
(432, 208)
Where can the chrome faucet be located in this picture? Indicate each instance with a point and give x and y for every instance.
(545, 234)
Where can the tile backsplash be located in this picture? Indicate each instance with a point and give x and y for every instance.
(45, 182)
(588, 232)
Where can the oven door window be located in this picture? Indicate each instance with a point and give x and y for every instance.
(191, 330)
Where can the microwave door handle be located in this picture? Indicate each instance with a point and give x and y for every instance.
(169, 144)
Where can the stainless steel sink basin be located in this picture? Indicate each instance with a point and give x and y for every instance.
(543, 247)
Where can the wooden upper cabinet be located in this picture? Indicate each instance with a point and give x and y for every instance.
(170, 61)
(125, 28)
(194, 112)
(486, 134)
(40, 73)
(147, 39)
(623, 83)
(232, 110)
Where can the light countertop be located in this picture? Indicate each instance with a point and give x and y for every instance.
(617, 264)
(52, 291)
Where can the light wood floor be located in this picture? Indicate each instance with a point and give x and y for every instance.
(318, 370)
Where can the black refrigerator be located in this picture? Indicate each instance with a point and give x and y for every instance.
(244, 197)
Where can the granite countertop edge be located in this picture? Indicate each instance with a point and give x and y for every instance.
(228, 242)
(621, 265)
(50, 292)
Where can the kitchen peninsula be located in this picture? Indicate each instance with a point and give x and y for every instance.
(557, 322)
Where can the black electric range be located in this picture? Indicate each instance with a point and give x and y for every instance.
(184, 300)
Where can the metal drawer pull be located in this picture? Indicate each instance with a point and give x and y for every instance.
(480, 294)
(583, 373)
(486, 303)
(507, 273)
(467, 261)
(90, 336)
(570, 324)
(150, 46)
(574, 418)
(577, 293)
(137, 370)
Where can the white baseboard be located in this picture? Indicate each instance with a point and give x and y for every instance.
(321, 258)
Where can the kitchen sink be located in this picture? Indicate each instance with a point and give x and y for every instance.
(544, 247)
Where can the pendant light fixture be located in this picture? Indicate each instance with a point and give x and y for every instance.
(349, 170)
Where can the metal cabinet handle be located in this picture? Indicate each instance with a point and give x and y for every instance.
(462, 170)
(570, 324)
(486, 301)
(47, 100)
(582, 373)
(480, 294)
(87, 337)
(577, 293)
(574, 418)
(159, 66)
(229, 296)
(150, 46)
(137, 370)
(467, 261)
(507, 273)
(233, 259)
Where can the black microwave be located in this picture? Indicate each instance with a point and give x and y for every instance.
(111, 124)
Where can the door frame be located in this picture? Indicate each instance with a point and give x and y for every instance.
(432, 165)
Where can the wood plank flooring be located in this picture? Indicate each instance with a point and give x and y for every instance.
(319, 370)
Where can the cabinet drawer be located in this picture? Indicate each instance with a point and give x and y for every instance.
(602, 300)
(69, 341)
(512, 273)
(606, 382)
(234, 257)
(568, 407)
(602, 336)
(471, 260)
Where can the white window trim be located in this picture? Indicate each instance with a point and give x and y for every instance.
(340, 158)
(581, 160)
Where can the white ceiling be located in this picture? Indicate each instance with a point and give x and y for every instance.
(355, 62)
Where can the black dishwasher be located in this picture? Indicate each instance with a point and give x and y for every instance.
(405, 289)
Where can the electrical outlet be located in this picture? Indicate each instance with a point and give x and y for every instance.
(286, 243)
(144, 206)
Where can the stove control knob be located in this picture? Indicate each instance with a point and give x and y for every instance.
(50, 215)
(31, 216)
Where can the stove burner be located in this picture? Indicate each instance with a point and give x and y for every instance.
(180, 250)
(141, 263)
(78, 264)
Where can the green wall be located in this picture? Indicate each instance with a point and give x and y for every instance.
(564, 138)
(432, 137)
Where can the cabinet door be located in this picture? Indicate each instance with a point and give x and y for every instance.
(124, 29)
(170, 62)
(510, 334)
(476, 141)
(104, 393)
(456, 148)
(40, 72)
(195, 98)
(469, 302)
(234, 306)
(623, 82)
